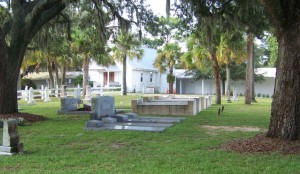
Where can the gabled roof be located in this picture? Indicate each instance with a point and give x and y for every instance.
(266, 72)
(145, 63)
(112, 68)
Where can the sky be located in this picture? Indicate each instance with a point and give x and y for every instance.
(158, 6)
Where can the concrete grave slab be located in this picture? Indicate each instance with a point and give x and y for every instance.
(109, 120)
(94, 124)
(124, 127)
(121, 117)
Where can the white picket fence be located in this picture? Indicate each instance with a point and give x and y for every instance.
(29, 95)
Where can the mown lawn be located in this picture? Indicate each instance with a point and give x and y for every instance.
(60, 145)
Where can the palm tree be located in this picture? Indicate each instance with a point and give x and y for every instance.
(166, 59)
(230, 49)
(126, 45)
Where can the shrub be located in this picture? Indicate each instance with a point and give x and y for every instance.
(267, 96)
(263, 95)
(259, 95)
(79, 79)
(241, 94)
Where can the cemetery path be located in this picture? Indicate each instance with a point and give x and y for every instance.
(262, 144)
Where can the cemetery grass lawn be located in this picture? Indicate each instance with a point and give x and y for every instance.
(60, 145)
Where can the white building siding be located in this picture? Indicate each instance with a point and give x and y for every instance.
(266, 87)
(192, 86)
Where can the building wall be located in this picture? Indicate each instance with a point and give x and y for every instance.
(191, 86)
(266, 87)
(141, 86)
(95, 76)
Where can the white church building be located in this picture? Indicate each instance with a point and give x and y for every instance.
(143, 77)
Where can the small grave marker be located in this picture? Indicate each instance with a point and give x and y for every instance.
(11, 144)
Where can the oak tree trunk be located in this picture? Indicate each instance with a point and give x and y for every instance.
(9, 73)
(249, 68)
(284, 17)
(285, 113)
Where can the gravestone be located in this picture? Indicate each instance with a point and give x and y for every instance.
(103, 106)
(42, 92)
(46, 95)
(11, 144)
(30, 98)
(68, 104)
(77, 92)
(26, 93)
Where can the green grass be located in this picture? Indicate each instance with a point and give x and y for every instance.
(60, 145)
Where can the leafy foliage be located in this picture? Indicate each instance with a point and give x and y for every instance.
(273, 50)
(27, 82)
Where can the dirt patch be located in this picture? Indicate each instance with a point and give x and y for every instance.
(262, 144)
(30, 118)
(232, 128)
(118, 145)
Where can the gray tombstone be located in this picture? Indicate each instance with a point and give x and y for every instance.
(11, 142)
(68, 104)
(77, 93)
(103, 106)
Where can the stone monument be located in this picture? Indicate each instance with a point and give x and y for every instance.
(102, 106)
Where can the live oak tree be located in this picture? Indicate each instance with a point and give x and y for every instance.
(20, 21)
(284, 17)
(16, 32)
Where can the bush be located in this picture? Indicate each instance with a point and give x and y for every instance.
(267, 96)
(27, 82)
(241, 94)
(263, 95)
(259, 95)
(78, 79)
